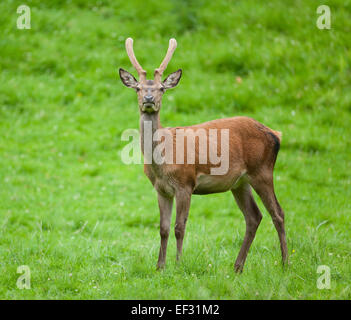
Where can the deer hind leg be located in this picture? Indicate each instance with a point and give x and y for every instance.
(165, 205)
(182, 208)
(253, 217)
(263, 185)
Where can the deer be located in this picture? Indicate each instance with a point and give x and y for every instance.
(252, 153)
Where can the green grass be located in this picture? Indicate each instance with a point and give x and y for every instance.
(87, 225)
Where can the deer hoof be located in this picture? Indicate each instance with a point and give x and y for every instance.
(238, 268)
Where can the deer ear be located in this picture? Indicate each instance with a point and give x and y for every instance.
(128, 79)
(172, 80)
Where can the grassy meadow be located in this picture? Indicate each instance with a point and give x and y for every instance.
(87, 225)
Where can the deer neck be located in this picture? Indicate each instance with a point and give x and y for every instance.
(149, 124)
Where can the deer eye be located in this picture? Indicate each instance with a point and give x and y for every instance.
(137, 89)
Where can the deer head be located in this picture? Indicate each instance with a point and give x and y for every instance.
(150, 92)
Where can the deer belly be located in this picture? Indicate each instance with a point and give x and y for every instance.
(206, 184)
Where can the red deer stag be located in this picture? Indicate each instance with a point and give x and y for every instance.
(251, 155)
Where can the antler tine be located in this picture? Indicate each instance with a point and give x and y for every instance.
(171, 48)
(134, 61)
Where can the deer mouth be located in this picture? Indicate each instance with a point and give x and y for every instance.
(149, 107)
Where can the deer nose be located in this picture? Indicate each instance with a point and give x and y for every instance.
(148, 99)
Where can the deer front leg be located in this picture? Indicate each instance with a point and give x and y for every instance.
(182, 207)
(165, 204)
